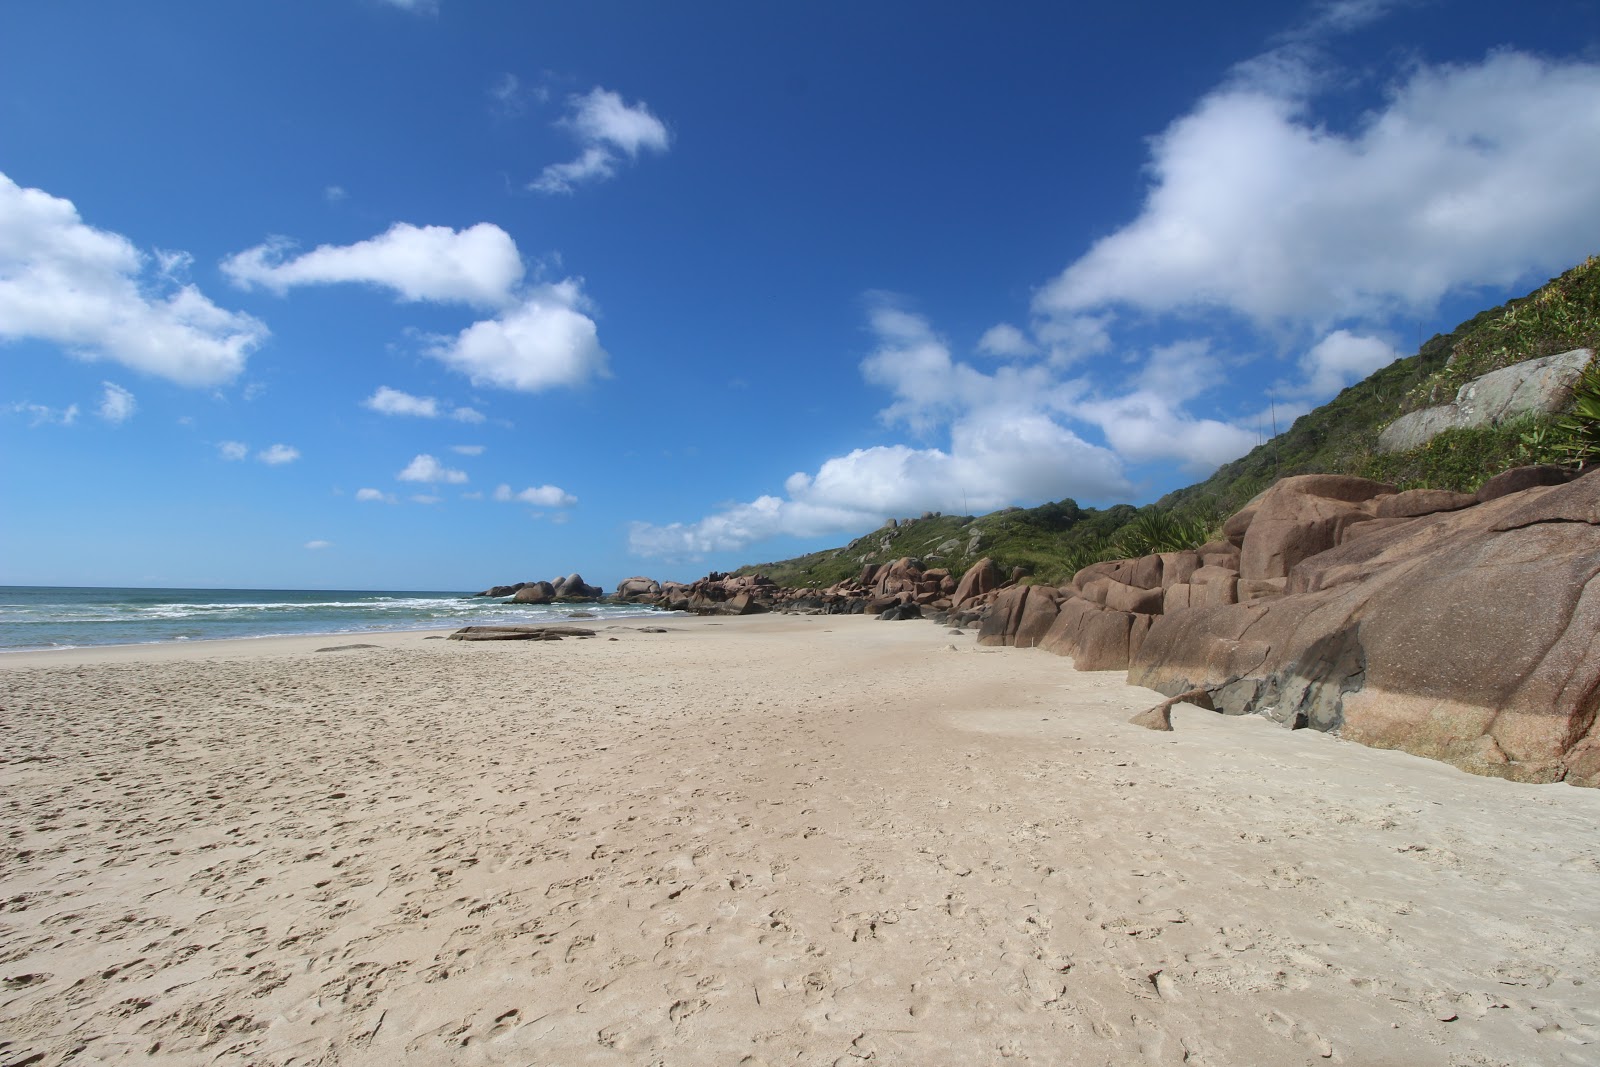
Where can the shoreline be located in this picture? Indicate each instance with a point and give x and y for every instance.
(769, 838)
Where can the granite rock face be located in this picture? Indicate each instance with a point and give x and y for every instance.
(1535, 387)
(1469, 636)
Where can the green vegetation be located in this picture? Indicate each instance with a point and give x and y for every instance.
(1341, 437)
(1050, 542)
(1053, 541)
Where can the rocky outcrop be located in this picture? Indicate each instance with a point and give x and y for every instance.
(567, 589)
(1535, 387)
(637, 589)
(1467, 636)
(1463, 628)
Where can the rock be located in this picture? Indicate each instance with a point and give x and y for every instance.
(1255, 588)
(1300, 517)
(746, 604)
(1000, 625)
(1120, 597)
(1160, 716)
(1177, 567)
(982, 577)
(901, 612)
(519, 633)
(1038, 614)
(1466, 636)
(1517, 479)
(535, 593)
(638, 588)
(1414, 502)
(1533, 387)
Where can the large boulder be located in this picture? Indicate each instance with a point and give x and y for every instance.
(1300, 517)
(1467, 636)
(638, 588)
(1533, 387)
(982, 577)
(534, 593)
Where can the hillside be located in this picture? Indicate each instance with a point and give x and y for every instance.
(1052, 541)
(1340, 437)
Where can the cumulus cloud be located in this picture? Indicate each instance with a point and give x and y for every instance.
(545, 340)
(1462, 177)
(544, 496)
(607, 130)
(316, 546)
(278, 455)
(94, 294)
(374, 496)
(233, 451)
(117, 404)
(425, 468)
(479, 265)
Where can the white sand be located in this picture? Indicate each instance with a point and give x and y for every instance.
(773, 840)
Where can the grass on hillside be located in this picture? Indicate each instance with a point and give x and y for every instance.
(1341, 437)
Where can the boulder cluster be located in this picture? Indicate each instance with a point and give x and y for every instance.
(1455, 626)
(902, 589)
(567, 590)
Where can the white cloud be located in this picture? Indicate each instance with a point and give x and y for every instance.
(420, 7)
(1147, 424)
(424, 498)
(467, 450)
(479, 265)
(426, 468)
(233, 451)
(42, 415)
(1464, 176)
(278, 455)
(94, 294)
(375, 496)
(318, 545)
(542, 342)
(1339, 359)
(544, 496)
(1005, 340)
(994, 459)
(117, 405)
(334, 194)
(387, 401)
(607, 129)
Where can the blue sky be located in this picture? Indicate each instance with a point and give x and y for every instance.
(408, 294)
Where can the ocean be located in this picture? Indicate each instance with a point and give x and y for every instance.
(43, 617)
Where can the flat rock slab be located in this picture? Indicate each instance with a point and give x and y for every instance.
(345, 648)
(519, 633)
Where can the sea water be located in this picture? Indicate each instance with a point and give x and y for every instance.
(42, 617)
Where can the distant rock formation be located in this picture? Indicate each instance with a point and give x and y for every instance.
(569, 589)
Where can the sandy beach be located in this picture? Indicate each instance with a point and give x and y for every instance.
(765, 840)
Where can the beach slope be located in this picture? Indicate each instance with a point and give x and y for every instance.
(774, 839)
